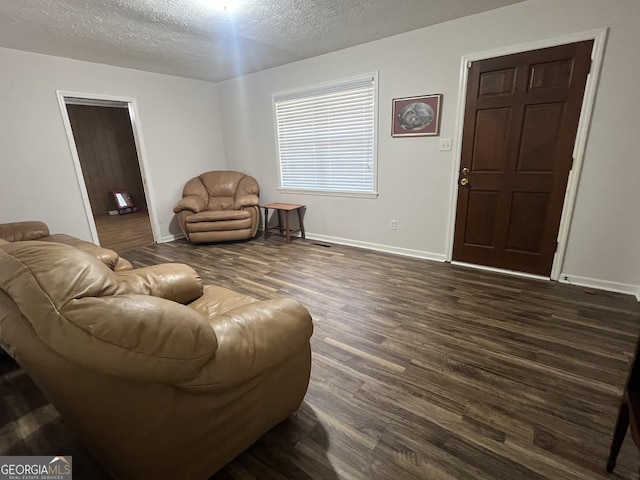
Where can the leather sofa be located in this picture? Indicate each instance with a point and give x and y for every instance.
(36, 230)
(160, 376)
(219, 206)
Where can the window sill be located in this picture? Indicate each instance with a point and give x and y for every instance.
(328, 193)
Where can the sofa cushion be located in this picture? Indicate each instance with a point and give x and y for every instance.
(216, 300)
(71, 300)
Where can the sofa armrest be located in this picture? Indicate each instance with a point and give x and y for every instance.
(193, 203)
(17, 231)
(140, 337)
(172, 281)
(122, 264)
(246, 201)
(253, 338)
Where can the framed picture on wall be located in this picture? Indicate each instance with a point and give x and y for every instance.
(416, 116)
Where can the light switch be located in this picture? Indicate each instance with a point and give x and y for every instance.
(445, 144)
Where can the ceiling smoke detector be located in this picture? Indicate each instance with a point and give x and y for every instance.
(228, 6)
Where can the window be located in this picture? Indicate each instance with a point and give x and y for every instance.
(326, 138)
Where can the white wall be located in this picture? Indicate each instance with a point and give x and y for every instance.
(178, 118)
(416, 180)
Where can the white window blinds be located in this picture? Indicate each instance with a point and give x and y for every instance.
(326, 137)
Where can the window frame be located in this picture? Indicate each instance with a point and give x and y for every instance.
(317, 87)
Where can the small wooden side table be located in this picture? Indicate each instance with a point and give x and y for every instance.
(283, 209)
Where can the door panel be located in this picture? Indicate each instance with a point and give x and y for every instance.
(492, 130)
(482, 218)
(526, 225)
(539, 137)
(520, 124)
(499, 82)
(550, 75)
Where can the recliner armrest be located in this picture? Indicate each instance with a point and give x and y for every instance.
(193, 203)
(254, 338)
(246, 201)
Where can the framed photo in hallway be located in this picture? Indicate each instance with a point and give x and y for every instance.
(416, 116)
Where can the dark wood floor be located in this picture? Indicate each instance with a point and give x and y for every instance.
(123, 232)
(424, 370)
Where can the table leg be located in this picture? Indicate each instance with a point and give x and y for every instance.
(301, 224)
(280, 222)
(622, 424)
(286, 224)
(266, 223)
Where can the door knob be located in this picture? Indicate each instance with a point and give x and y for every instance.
(465, 171)
(464, 181)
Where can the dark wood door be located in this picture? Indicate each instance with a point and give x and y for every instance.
(520, 126)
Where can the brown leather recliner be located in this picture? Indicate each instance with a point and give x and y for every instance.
(159, 376)
(219, 206)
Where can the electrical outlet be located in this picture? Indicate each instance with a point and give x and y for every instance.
(393, 225)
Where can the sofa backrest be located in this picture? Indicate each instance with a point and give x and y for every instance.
(18, 231)
(81, 309)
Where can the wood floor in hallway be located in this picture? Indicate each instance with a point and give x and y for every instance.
(124, 232)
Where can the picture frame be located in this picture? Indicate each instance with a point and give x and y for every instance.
(416, 116)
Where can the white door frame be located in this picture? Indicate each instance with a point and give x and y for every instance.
(141, 152)
(599, 37)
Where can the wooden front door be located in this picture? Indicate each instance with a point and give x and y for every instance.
(520, 126)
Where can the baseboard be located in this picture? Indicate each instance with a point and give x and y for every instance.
(500, 270)
(378, 247)
(407, 252)
(601, 284)
(171, 238)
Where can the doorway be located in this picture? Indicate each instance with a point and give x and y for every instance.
(520, 122)
(104, 140)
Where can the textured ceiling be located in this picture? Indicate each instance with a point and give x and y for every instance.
(190, 38)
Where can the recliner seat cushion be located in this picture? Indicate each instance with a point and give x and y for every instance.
(218, 221)
(218, 216)
(213, 227)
